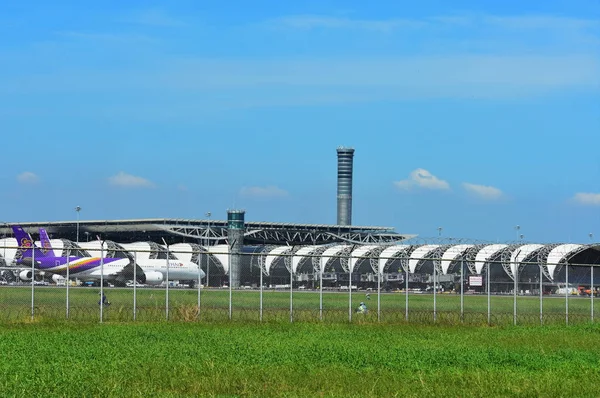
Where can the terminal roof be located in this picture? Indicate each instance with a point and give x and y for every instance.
(215, 231)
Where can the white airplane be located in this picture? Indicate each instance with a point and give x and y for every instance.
(155, 269)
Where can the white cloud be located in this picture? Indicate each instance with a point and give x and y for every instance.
(586, 198)
(114, 38)
(483, 191)
(328, 22)
(154, 17)
(423, 179)
(123, 179)
(537, 22)
(517, 22)
(27, 177)
(311, 79)
(264, 192)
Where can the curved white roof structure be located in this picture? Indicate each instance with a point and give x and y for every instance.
(221, 253)
(520, 253)
(485, 254)
(388, 254)
(8, 249)
(184, 251)
(273, 255)
(359, 252)
(329, 254)
(300, 255)
(418, 255)
(93, 248)
(558, 254)
(451, 254)
(143, 249)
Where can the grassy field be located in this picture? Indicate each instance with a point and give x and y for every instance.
(297, 360)
(50, 303)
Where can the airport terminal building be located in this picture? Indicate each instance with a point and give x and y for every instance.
(235, 251)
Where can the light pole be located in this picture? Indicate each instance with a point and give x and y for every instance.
(517, 229)
(77, 209)
(439, 231)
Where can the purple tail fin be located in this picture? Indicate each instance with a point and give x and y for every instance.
(26, 244)
(45, 242)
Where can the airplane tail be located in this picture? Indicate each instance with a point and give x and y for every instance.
(45, 241)
(26, 244)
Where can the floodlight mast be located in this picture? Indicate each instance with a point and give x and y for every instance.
(78, 209)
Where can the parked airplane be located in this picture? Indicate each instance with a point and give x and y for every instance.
(178, 270)
(154, 271)
(116, 270)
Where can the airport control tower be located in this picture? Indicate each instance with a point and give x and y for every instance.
(235, 236)
(344, 185)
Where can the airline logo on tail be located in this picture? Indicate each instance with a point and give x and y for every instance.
(45, 241)
(26, 244)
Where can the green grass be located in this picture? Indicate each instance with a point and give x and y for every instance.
(50, 304)
(297, 360)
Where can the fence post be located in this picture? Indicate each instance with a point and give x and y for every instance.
(349, 294)
(462, 290)
(406, 290)
(68, 265)
(592, 292)
(200, 278)
(489, 296)
(567, 293)
(32, 278)
(515, 288)
(541, 296)
(291, 293)
(260, 310)
(434, 292)
(101, 281)
(229, 271)
(378, 294)
(135, 285)
(167, 289)
(320, 291)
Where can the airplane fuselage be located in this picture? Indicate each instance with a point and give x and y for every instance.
(178, 270)
(79, 266)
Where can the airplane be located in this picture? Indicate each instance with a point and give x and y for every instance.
(178, 269)
(116, 270)
(154, 271)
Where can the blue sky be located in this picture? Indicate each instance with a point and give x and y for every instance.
(472, 116)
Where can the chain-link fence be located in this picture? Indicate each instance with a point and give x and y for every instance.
(99, 282)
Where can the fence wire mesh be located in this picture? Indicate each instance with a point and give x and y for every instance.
(153, 286)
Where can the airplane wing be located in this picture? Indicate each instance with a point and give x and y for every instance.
(120, 274)
(127, 274)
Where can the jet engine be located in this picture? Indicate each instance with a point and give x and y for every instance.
(154, 278)
(25, 275)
